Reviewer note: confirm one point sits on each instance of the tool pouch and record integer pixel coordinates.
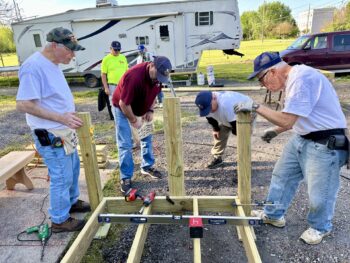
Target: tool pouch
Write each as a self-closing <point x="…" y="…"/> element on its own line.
<point x="43" y="137"/>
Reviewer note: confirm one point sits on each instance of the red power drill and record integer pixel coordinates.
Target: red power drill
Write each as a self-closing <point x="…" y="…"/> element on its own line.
<point x="147" y="200"/>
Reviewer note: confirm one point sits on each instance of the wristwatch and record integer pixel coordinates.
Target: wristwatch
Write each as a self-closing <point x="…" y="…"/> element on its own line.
<point x="255" y="106"/>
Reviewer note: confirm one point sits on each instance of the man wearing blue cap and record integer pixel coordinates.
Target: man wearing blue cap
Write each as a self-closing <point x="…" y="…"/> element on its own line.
<point x="217" y="107"/>
<point x="134" y="101"/>
<point x="315" y="153"/>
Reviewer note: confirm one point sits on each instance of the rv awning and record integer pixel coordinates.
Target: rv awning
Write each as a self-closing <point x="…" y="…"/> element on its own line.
<point x="127" y="17"/>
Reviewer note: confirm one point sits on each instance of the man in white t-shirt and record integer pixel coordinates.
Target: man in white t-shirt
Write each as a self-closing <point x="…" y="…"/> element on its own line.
<point x="217" y="107"/>
<point x="45" y="97"/>
<point x="314" y="154"/>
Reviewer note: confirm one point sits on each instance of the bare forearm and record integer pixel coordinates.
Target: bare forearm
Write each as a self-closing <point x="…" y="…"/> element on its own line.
<point x="283" y="120"/>
<point x="34" y="109"/>
<point x="127" y="110"/>
<point x="104" y="81"/>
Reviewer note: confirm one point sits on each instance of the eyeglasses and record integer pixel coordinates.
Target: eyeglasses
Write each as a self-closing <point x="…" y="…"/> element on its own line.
<point x="261" y="79"/>
<point x="67" y="49"/>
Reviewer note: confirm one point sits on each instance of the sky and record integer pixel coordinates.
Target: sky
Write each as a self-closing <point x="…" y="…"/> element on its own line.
<point x="30" y="8"/>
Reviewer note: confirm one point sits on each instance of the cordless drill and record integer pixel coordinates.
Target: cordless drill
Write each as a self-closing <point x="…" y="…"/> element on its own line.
<point x="147" y="200"/>
<point x="43" y="235"/>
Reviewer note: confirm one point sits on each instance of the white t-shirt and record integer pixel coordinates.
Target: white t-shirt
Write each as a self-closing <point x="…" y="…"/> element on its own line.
<point x="311" y="96"/>
<point x="226" y="101"/>
<point x="43" y="81"/>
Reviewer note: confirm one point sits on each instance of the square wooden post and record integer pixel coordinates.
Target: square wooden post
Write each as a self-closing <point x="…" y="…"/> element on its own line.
<point x="88" y="153"/>
<point x="173" y="143"/>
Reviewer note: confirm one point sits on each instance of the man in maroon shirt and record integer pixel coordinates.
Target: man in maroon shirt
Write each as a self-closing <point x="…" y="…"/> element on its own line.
<point x="134" y="100"/>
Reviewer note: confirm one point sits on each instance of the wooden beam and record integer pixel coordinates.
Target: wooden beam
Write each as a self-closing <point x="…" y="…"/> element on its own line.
<point x="247" y="236"/>
<point x="88" y="153"/>
<point x="244" y="159"/>
<point x="139" y="240"/>
<point x="196" y="241"/>
<point x="12" y="169"/>
<point x="173" y="143"/>
<point x="118" y="205"/>
<point x="81" y="244"/>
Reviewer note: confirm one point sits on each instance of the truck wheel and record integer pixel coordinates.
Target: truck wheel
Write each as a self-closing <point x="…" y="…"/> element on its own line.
<point x="91" y="81"/>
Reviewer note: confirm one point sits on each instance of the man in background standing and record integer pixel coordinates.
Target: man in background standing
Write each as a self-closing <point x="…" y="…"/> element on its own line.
<point x="113" y="67"/>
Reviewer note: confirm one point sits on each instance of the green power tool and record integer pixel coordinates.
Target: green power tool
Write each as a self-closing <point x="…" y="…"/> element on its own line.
<point x="43" y="235"/>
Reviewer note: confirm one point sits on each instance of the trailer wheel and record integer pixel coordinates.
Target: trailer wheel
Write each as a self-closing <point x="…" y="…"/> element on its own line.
<point x="91" y="81"/>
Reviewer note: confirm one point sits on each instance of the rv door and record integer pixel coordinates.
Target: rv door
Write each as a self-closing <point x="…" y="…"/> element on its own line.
<point x="165" y="42"/>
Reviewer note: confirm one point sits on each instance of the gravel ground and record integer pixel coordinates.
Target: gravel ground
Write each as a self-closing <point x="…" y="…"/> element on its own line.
<point x="171" y="243"/>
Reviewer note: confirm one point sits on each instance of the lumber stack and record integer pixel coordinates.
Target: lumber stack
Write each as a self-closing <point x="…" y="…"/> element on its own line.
<point x="101" y="151"/>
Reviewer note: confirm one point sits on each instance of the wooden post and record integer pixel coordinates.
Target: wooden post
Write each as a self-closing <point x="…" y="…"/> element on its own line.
<point x="88" y="153"/>
<point x="244" y="159"/>
<point x="173" y="142"/>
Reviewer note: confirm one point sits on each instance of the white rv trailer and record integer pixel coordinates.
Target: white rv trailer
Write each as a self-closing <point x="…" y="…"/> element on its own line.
<point x="179" y="30"/>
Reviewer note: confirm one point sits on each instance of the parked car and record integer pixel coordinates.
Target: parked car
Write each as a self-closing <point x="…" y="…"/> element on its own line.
<point x="328" y="51"/>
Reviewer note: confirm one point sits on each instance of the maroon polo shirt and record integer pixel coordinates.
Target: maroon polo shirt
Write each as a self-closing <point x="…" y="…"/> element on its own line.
<point x="137" y="89"/>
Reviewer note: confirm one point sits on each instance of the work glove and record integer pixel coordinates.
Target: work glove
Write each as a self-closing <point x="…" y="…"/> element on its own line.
<point x="269" y="134"/>
<point x="247" y="106"/>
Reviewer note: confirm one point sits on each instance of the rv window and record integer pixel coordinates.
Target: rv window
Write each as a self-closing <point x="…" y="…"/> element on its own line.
<point x="204" y="18"/>
<point x="164" y="33"/>
<point x="341" y="42"/>
<point x="142" y="40"/>
<point x="37" y="40"/>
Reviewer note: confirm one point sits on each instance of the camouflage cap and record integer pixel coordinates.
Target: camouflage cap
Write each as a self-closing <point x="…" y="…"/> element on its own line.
<point x="64" y="36"/>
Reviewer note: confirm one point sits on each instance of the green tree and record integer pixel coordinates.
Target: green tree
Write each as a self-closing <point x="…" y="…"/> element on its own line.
<point x="341" y="20"/>
<point x="263" y="23"/>
<point x="7" y="44"/>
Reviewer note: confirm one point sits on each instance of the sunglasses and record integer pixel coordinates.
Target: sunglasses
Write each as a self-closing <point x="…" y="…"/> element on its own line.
<point x="261" y="79"/>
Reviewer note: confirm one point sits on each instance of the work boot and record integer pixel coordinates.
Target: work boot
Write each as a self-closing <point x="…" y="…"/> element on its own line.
<point x="125" y="185"/>
<point x="80" y="207"/>
<point x="312" y="236"/>
<point x="151" y="172"/>
<point x="275" y="222"/>
<point x="215" y="163"/>
<point x="70" y="225"/>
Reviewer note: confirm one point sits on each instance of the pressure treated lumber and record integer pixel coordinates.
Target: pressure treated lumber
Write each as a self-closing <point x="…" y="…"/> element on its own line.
<point x="173" y="143"/>
<point x="88" y="153"/>
<point x="244" y="159"/>
<point x="12" y="169"/>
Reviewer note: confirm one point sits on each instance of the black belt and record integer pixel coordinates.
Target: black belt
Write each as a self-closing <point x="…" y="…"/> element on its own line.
<point x="112" y="83"/>
<point x="322" y="135"/>
<point x="326" y="137"/>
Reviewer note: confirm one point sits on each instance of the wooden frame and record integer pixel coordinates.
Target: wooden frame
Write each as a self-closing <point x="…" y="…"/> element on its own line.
<point x="196" y="204"/>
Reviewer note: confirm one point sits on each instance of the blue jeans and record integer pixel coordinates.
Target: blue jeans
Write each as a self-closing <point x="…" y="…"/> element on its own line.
<point x="64" y="173"/>
<point x="124" y="141"/>
<point x="320" y="168"/>
<point x="160" y="97"/>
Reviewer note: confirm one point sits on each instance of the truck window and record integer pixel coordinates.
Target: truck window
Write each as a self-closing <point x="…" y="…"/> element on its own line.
<point x="204" y="18"/>
<point x="37" y="40"/>
<point x="142" y="40"/>
<point x="319" y="42"/>
<point x="164" y="33"/>
<point x="341" y="43"/>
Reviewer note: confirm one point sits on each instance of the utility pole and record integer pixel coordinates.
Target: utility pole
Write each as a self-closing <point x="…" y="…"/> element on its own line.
<point x="263" y="23"/>
<point x="307" y="21"/>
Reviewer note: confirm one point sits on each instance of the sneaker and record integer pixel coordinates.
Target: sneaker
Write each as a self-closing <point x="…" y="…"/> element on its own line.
<point x="80" y="207"/>
<point x="152" y="172"/>
<point x="125" y="185"/>
<point x="70" y="225"/>
<point x="313" y="237"/>
<point x="275" y="222"/>
<point x="215" y="163"/>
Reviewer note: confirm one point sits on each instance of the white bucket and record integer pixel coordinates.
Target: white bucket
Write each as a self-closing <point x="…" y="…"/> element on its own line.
<point x="210" y="75"/>
<point x="200" y="79"/>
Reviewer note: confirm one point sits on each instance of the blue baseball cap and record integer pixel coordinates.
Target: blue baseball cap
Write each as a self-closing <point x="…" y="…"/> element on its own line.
<point x="163" y="67"/>
<point x="264" y="61"/>
<point x="203" y="102"/>
<point x="116" y="45"/>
